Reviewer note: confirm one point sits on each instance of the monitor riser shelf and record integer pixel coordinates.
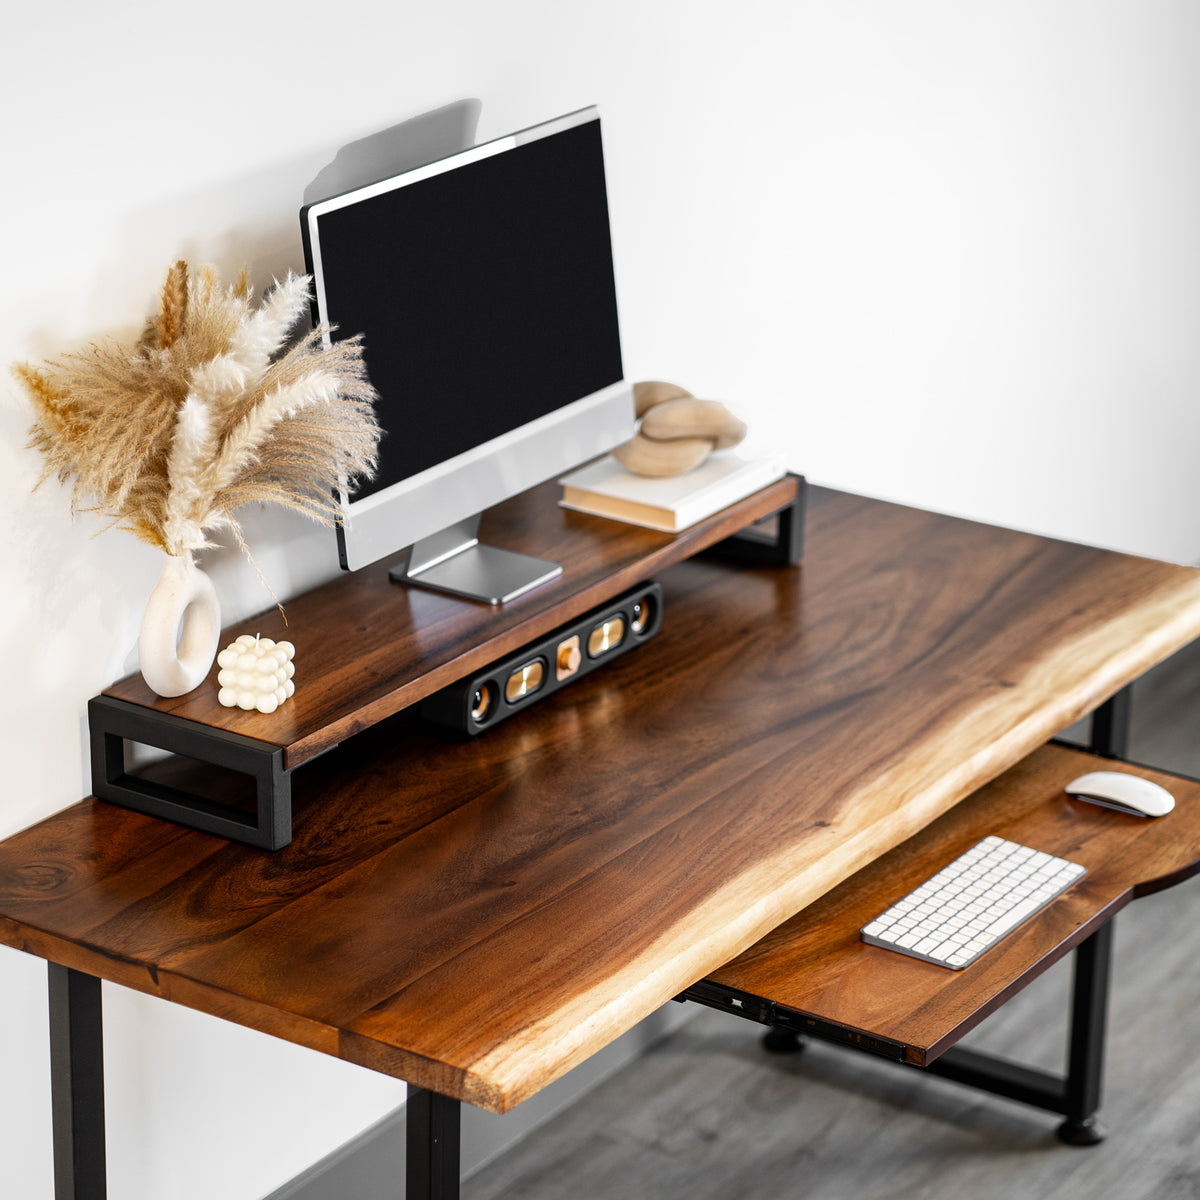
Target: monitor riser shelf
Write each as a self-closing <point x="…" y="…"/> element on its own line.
<point x="369" y="648"/>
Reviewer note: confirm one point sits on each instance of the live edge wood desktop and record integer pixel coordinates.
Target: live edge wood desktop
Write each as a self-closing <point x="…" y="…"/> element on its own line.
<point x="477" y="918"/>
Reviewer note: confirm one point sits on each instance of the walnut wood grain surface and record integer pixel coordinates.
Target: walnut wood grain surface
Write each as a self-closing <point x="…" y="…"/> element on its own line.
<point x="477" y="918"/>
<point x="816" y="966"/>
<point x="366" y="647"/>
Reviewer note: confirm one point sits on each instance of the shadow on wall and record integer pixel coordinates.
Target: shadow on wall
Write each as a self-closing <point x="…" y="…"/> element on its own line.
<point x="402" y="147"/>
<point x="254" y="218"/>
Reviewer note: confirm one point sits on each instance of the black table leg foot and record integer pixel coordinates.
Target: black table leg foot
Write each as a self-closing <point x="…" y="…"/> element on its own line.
<point x="1088" y="1132"/>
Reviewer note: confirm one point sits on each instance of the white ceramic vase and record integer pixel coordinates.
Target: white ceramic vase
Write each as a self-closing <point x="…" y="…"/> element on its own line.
<point x="180" y="628"/>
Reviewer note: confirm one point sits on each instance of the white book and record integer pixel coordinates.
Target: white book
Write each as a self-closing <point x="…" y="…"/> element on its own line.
<point x="671" y="503"/>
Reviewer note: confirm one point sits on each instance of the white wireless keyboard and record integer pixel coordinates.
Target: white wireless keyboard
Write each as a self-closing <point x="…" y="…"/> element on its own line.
<point x="971" y="904"/>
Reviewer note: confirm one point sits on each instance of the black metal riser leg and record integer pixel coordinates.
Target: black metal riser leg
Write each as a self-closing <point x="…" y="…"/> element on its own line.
<point x="433" y="1134"/>
<point x="77" y="1084"/>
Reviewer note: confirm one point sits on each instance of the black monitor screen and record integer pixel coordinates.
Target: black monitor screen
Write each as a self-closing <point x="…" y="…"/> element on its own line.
<point x="485" y="295"/>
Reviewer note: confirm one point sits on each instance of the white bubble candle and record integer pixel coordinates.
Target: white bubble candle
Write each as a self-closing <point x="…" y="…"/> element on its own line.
<point x="256" y="673"/>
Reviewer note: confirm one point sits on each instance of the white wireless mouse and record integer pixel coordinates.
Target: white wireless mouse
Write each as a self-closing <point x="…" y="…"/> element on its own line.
<point x="1126" y="793"/>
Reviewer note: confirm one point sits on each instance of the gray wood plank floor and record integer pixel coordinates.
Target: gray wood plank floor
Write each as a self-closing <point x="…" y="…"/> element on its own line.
<point x="709" y="1115"/>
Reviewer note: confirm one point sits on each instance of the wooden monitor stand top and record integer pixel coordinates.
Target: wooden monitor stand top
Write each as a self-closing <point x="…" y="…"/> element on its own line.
<point x="367" y="648"/>
<point x="478" y="918"/>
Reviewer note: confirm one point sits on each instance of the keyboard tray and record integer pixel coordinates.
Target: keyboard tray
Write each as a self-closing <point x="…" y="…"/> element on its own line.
<point x="814" y="974"/>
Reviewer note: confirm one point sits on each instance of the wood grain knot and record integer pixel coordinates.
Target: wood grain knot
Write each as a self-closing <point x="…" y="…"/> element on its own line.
<point x="43" y="877"/>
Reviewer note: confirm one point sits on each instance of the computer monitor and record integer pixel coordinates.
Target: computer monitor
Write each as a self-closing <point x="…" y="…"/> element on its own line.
<point x="483" y="287"/>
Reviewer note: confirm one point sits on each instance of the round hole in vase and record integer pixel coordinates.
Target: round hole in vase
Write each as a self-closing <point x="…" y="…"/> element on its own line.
<point x="180" y="628"/>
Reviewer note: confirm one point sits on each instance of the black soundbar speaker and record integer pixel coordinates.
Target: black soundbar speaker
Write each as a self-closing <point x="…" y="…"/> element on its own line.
<point x="468" y="707"/>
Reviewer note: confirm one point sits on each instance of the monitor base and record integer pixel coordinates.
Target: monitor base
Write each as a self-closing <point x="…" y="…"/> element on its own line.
<point x="455" y="561"/>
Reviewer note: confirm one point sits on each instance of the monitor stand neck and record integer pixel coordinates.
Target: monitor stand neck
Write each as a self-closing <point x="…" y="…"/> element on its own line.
<point x="455" y="561"/>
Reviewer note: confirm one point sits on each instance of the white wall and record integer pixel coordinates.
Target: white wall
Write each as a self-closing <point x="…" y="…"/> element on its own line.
<point x="939" y="251"/>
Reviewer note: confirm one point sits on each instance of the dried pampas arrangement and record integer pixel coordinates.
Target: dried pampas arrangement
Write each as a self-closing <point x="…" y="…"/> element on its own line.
<point x="169" y="436"/>
<point x="205" y="413"/>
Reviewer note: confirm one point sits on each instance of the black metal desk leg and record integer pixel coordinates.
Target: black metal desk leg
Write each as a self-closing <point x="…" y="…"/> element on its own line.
<point x="1085" y="1056"/>
<point x="1110" y="725"/>
<point x="77" y="1085"/>
<point x="433" y="1145"/>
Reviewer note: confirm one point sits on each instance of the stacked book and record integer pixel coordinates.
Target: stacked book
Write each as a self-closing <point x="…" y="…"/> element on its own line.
<point x="605" y="488"/>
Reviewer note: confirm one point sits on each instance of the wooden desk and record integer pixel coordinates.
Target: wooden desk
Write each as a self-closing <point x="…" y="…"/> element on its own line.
<point x="478" y="918"/>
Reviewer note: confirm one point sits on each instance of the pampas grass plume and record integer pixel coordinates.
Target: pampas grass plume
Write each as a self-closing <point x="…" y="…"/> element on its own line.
<point x="209" y="410"/>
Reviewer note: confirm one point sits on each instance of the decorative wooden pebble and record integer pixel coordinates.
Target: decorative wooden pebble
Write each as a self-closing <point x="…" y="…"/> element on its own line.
<point x="256" y="673"/>
<point x="677" y="432"/>
<point x="651" y="392"/>
<point x="692" y="418"/>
